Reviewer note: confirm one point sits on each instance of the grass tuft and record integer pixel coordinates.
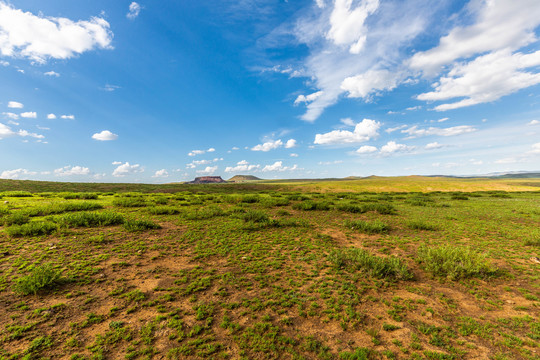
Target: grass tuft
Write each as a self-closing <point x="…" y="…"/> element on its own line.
<point x="421" y="225"/>
<point x="36" y="228"/>
<point x="373" y="227"/>
<point x="140" y="225"/>
<point x="361" y="260"/>
<point x="312" y="205"/>
<point x="129" y="202"/>
<point x="454" y="262"/>
<point x="42" y="277"/>
<point x="91" y="219"/>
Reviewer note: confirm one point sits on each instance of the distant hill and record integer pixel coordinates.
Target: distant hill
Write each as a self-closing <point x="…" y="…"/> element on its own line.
<point x="207" y="180"/>
<point x="243" y="178"/>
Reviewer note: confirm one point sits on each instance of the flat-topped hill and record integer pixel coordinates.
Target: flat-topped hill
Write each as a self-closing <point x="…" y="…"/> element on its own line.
<point x="243" y="178"/>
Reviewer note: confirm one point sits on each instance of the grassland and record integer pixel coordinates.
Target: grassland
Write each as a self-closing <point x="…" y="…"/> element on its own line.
<point x="314" y="270"/>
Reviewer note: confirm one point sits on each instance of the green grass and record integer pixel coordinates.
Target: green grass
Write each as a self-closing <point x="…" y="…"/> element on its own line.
<point x="421" y="225"/>
<point x="35" y="228"/>
<point x="80" y="196"/>
<point x="361" y="260"/>
<point x="129" y="202"/>
<point x="140" y="225"/>
<point x="312" y="205"/>
<point x="368" y="227"/>
<point x="16" y="218"/>
<point x="43" y="277"/>
<point x="454" y="262"/>
<point x="91" y="219"/>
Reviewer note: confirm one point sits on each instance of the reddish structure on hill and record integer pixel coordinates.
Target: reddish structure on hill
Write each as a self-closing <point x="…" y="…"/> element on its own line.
<point x="207" y="180"/>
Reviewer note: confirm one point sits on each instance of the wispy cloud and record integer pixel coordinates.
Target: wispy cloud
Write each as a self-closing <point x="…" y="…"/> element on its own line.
<point x="134" y="10"/>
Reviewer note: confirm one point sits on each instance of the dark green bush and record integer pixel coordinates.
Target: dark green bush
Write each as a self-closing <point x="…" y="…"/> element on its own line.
<point x="312" y="205"/>
<point x="140" y="225"/>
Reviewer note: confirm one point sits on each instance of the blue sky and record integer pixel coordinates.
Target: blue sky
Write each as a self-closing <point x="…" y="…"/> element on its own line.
<point x="163" y="91"/>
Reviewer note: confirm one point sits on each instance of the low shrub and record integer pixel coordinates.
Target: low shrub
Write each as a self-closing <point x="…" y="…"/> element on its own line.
<point x="312" y="205"/>
<point x="16" y="218"/>
<point x="128" y="202"/>
<point x="59" y="208"/>
<point x="91" y="219"/>
<point x="255" y="216"/>
<point x="204" y="213"/>
<point x="373" y="227"/>
<point x="32" y="229"/>
<point x="16" y="194"/>
<point x="163" y="210"/>
<point x="140" y="225"/>
<point x="42" y="277"/>
<point x="361" y="260"/>
<point x="454" y="262"/>
<point x="81" y="196"/>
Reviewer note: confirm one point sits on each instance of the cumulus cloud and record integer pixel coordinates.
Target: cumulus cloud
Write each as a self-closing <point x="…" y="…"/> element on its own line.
<point x="72" y="170"/>
<point x="290" y="144"/>
<point x="363" y="85"/>
<point x="52" y="73"/>
<point x="485" y="79"/>
<point x="6" y="131"/>
<point x="10" y="115"/>
<point x="393" y="147"/>
<point x="15" y="105"/>
<point x="134" y="10"/>
<point x="267" y="146"/>
<point x="307" y="98"/>
<point x="163" y="173"/>
<point x="434" y="145"/>
<point x="347" y="23"/>
<point x="499" y="25"/>
<point x="242" y="166"/>
<point x="25" y="133"/>
<point x="38" y="38"/>
<point x="200" y="152"/>
<point x="366" y="149"/>
<point x="278" y="166"/>
<point x="105" y="135"/>
<point x="16" y="174"/>
<point x="127" y="169"/>
<point x="415" y="132"/>
<point x="29" y="115"/>
<point x="209" y="170"/>
<point x="68" y="117"/>
<point x="51" y="116"/>
<point x="363" y="131"/>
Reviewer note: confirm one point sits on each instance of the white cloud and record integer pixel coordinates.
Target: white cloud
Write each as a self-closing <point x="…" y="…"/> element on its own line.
<point x="535" y="149"/>
<point x="330" y="162"/>
<point x="358" y="40"/>
<point x="415" y="132"/>
<point x="25" y="133"/>
<point x="5" y="131"/>
<point x="127" y="169"/>
<point x="134" y="10"/>
<point x="51" y="116"/>
<point x="307" y="99"/>
<point x="363" y="85"/>
<point x="393" y="147"/>
<point x="242" y="166"/>
<point x="52" y="73"/>
<point x="200" y="152"/>
<point x="196" y="163"/>
<point x="434" y="145"/>
<point x="29" y="115"/>
<point x="290" y="144"/>
<point x="10" y="115"/>
<point x="11" y="122"/>
<point x="163" y="173"/>
<point x="72" y="170"/>
<point x="209" y="170"/>
<point x="363" y="131"/>
<point x="278" y="166"/>
<point x="38" y="38"/>
<point x="347" y="122"/>
<point x="347" y="25"/>
<point x="116" y="162"/>
<point x="485" y="79"/>
<point x="4" y="63"/>
<point x="267" y="146"/>
<point x="68" y="117"/>
<point x="499" y="25"/>
<point x="443" y="120"/>
<point x="16" y="174"/>
<point x="110" y="88"/>
<point x="391" y="130"/>
<point x="42" y="127"/>
<point x="366" y="149"/>
<point x="293" y="155"/>
<point x="533" y="122"/>
<point x="15" y="105"/>
<point x="105" y="135"/>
